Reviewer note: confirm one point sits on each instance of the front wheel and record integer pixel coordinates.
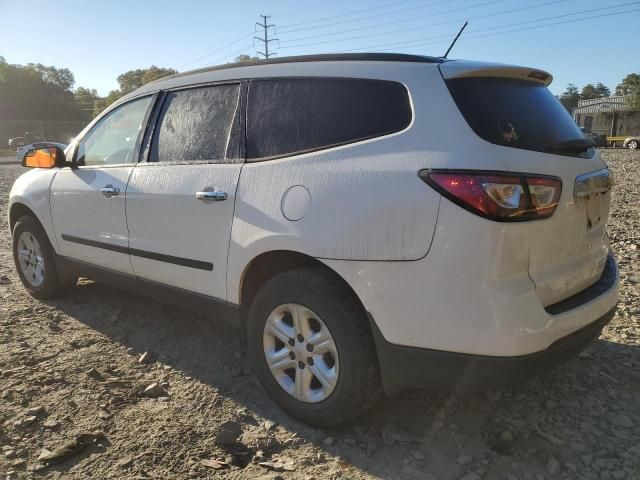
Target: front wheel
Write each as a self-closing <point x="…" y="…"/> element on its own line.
<point x="632" y="145"/>
<point x="35" y="260"/>
<point x="312" y="349"/>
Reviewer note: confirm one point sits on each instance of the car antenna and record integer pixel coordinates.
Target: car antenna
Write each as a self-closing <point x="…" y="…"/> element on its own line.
<point x="455" y="39"/>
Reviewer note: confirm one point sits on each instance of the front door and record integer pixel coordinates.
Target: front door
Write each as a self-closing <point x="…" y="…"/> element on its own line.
<point x="180" y="202"/>
<point x="88" y="202"/>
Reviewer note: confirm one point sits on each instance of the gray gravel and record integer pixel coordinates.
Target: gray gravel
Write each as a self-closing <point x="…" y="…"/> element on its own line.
<point x="71" y="367"/>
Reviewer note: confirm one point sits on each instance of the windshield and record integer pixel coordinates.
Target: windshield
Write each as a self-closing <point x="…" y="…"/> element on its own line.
<point x="517" y="114"/>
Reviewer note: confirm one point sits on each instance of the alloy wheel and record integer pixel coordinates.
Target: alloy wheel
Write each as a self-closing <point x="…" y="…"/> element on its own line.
<point x="301" y="353"/>
<point x="30" y="259"/>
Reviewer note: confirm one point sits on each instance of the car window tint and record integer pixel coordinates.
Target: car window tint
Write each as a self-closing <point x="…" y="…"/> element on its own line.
<point x="285" y="116"/>
<point x="514" y="113"/>
<point x="195" y="124"/>
<point x="112" y="139"/>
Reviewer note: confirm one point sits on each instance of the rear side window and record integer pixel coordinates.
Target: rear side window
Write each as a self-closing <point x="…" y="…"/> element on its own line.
<point x="286" y="116"/>
<point x="196" y="124"/>
<point x="514" y="113"/>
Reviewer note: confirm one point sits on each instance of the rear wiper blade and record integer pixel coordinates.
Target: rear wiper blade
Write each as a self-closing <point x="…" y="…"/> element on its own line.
<point x="577" y="145"/>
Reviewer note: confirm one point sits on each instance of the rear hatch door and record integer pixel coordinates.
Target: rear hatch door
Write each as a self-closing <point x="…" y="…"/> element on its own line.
<point x="531" y="132"/>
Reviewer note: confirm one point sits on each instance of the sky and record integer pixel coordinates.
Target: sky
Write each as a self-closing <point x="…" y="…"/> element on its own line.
<point x="577" y="41"/>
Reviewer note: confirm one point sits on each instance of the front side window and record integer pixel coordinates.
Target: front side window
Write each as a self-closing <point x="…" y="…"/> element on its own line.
<point x="287" y="116"/>
<point x="196" y="125"/>
<point x="111" y="141"/>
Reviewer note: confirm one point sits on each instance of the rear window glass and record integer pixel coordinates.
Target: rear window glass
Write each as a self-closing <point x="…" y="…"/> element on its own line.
<point x="514" y="113"/>
<point x="286" y="116"/>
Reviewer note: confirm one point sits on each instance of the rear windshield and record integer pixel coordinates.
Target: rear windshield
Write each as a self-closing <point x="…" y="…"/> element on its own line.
<point x="515" y="113"/>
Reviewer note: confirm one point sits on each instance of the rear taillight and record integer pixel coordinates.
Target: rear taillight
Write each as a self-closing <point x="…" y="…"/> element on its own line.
<point x="497" y="196"/>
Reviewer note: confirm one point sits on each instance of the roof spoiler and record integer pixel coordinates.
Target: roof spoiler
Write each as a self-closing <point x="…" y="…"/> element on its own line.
<point x="465" y="69"/>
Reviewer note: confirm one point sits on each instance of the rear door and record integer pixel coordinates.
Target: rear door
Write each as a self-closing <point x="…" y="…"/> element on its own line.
<point x="180" y="202"/>
<point x="88" y="202"/>
<point x="533" y="133"/>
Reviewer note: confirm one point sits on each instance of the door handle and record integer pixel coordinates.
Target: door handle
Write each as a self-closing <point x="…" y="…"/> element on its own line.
<point x="110" y="191"/>
<point x="215" y="196"/>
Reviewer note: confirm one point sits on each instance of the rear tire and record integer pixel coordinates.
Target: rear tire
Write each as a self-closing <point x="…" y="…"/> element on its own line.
<point x="36" y="261"/>
<point x="355" y="385"/>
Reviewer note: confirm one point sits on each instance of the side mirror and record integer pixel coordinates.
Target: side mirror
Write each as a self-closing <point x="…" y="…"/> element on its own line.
<point x="44" y="157"/>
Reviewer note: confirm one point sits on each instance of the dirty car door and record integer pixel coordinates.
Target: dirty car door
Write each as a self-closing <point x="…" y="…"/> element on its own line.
<point x="180" y="202"/>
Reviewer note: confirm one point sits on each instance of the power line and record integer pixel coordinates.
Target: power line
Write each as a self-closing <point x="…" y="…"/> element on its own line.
<point x="230" y="44"/>
<point x="418" y="43"/>
<point x="265" y="40"/>
<point x="420" y="27"/>
<point x="373" y="16"/>
<point x="354" y="12"/>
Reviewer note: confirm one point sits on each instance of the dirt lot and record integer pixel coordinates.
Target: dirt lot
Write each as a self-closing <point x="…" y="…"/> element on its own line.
<point x="73" y="366"/>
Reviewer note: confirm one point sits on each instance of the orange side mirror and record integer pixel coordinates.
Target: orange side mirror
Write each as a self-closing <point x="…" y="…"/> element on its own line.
<point x="46" y="157"/>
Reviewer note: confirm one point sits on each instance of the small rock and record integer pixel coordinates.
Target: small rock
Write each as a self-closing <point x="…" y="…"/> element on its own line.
<point x="4" y="280"/>
<point x="51" y="424"/>
<point x="553" y="466"/>
<point x="268" y="425"/>
<point x="116" y="400"/>
<point x="35" y="411"/>
<point x="9" y="454"/>
<point x="215" y="464"/>
<point x="29" y="420"/>
<point x="154" y="391"/>
<point x="95" y="374"/>
<point x="328" y="441"/>
<point x="280" y="465"/>
<point x="228" y="434"/>
<point x="464" y="459"/>
<point x="19" y="463"/>
<point x="44" y="453"/>
<point x="145" y="358"/>
<point x="125" y="463"/>
<point x="417" y="455"/>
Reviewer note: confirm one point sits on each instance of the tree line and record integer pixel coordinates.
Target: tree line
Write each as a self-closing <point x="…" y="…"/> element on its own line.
<point x="630" y="85"/>
<point x="40" y="92"/>
<point x="46" y="93"/>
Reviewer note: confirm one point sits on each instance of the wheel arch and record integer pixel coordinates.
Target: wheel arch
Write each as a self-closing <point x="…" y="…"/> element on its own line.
<point x="19" y="209"/>
<point x="269" y="264"/>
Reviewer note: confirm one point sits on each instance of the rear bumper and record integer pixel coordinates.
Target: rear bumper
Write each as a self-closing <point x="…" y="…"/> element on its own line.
<point x="408" y="367"/>
<point x="405" y="367"/>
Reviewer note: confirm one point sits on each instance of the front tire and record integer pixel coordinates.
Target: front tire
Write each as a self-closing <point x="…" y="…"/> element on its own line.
<point x="311" y="347"/>
<point x="35" y="260"/>
<point x="632" y="145"/>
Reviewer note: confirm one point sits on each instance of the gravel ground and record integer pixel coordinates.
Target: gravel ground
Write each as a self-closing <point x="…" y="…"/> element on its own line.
<point x="72" y="390"/>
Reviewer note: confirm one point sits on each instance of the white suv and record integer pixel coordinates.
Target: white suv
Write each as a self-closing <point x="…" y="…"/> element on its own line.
<point x="371" y="222"/>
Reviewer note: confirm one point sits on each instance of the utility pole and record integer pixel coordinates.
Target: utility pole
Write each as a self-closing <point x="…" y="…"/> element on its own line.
<point x="266" y="40"/>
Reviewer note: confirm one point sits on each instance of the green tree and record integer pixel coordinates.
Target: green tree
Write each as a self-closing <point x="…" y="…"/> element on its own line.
<point x="86" y="99"/>
<point x="61" y="77"/>
<point x="131" y="80"/>
<point x="37" y="92"/>
<point x="590" y="91"/>
<point x="569" y="98"/>
<point x="245" y="58"/>
<point x="630" y="86"/>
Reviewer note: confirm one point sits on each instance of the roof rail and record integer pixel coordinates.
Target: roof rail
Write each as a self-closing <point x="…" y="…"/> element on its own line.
<point x="325" y="57"/>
